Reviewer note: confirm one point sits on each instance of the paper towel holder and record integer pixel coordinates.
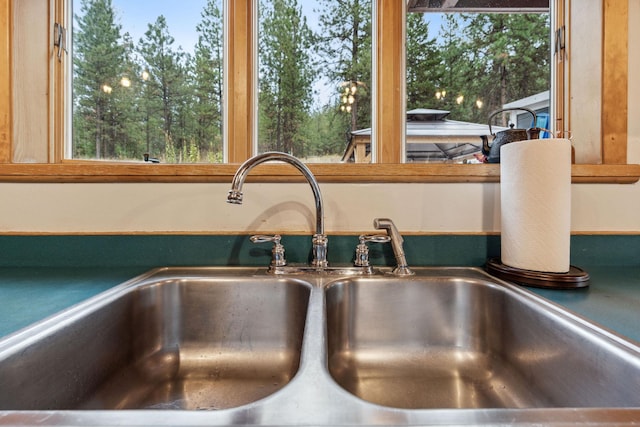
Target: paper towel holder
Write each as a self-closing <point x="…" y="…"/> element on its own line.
<point x="575" y="278"/>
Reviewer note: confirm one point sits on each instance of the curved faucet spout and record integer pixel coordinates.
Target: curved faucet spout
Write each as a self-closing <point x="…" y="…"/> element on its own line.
<point x="235" y="196"/>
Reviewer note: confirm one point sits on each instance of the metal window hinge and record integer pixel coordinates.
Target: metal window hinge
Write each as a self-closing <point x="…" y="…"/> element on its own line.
<point x="560" y="41"/>
<point x="60" y="39"/>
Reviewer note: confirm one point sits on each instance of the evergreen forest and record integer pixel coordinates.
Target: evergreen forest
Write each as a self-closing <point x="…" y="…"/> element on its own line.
<point x="150" y="96"/>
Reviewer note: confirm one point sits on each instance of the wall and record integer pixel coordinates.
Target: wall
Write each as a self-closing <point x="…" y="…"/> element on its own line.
<point x="350" y="208"/>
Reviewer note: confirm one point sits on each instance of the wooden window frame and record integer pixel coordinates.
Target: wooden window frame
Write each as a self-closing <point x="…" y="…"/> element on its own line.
<point x="388" y="120"/>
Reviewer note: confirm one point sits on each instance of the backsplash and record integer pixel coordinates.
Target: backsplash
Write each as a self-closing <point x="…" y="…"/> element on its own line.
<point x="237" y="250"/>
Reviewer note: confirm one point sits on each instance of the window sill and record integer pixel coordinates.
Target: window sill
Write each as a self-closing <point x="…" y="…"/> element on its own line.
<point x="351" y="173"/>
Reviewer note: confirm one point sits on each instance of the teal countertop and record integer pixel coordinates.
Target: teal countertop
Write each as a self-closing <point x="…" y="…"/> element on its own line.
<point x="611" y="300"/>
<point x="31" y="294"/>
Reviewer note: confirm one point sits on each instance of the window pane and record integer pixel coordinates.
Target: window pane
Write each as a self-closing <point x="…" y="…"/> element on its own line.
<point x="463" y="66"/>
<point x="147" y="80"/>
<point x="314" y="76"/>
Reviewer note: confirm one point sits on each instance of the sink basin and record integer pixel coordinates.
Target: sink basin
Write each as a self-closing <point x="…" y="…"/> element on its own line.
<point x="448" y="346"/>
<point x="166" y="342"/>
<point x="427" y="343"/>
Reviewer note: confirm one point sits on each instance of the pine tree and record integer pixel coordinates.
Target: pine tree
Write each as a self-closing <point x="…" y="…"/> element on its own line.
<point x="422" y="62"/>
<point x="99" y="55"/>
<point x="323" y="132"/>
<point x="509" y="54"/>
<point x="453" y="78"/>
<point x="345" y="44"/>
<point x="495" y="58"/>
<point x="129" y="116"/>
<point x="286" y="76"/>
<point x="208" y="81"/>
<point x="166" y="87"/>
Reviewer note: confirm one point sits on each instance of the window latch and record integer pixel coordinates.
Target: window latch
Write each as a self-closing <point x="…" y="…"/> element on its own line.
<point x="60" y="39"/>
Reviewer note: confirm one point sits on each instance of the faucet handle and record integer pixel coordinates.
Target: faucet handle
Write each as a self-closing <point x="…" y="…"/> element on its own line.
<point x="277" y="253"/>
<point x="362" y="251"/>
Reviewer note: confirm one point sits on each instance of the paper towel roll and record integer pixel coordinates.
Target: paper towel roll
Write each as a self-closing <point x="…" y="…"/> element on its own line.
<point x="535" y="195"/>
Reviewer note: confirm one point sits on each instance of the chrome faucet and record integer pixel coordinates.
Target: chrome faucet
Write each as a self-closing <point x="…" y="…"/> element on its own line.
<point x="401" y="269"/>
<point x="319" y="240"/>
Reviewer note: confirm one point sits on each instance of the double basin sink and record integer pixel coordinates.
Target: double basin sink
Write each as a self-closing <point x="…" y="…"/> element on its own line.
<point x="220" y="346"/>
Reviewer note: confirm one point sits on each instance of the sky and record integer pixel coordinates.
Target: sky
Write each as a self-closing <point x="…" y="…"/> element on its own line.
<point x="182" y="17"/>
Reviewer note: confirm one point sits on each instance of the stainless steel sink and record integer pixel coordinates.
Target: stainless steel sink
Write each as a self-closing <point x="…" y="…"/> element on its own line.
<point x="170" y="342"/>
<point x="225" y="346"/>
<point x="451" y="342"/>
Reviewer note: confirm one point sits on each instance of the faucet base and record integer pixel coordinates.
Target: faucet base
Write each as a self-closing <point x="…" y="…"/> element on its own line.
<point x="402" y="271"/>
<point x="320" y="243"/>
<point x="326" y="271"/>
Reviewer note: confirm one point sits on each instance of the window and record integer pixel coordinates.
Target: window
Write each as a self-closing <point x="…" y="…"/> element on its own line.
<point x="462" y="63"/>
<point x="147" y="81"/>
<point x="314" y="76"/>
<point x="138" y="92"/>
<point x="462" y="66"/>
<point x="27" y="141"/>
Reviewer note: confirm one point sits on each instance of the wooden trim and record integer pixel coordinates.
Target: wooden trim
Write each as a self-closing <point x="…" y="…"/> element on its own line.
<point x="31" y="67"/>
<point x="610" y="174"/>
<point x="239" y="106"/>
<point x="615" y="71"/>
<point x="561" y="73"/>
<point x="58" y="106"/>
<point x="335" y="173"/>
<point x="389" y="129"/>
<point x="239" y="77"/>
<point x="6" y="82"/>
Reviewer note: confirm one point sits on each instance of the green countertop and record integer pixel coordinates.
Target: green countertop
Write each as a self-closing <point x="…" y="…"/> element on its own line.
<point x="611" y="300"/>
<point x="31" y="294"/>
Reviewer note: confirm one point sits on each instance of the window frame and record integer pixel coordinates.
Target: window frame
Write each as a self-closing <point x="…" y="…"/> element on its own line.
<point x="239" y="109"/>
